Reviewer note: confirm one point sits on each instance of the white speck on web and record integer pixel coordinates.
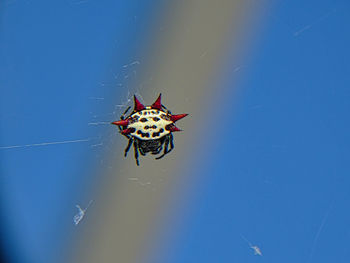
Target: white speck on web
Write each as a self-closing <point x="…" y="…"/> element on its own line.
<point x="120" y="105"/>
<point x="140" y="182"/>
<point x="297" y="33"/>
<point x="81" y="213"/>
<point x="238" y="68"/>
<point x="96" y="98"/>
<point x="79" y="2"/>
<point x="203" y="54"/>
<point x="132" y="64"/>
<point x="318" y="20"/>
<point x="98" y="144"/>
<point x="126" y="102"/>
<point x="133" y="179"/>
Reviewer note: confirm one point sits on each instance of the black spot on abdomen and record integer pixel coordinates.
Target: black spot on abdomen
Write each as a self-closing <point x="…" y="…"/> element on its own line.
<point x="165" y="117"/>
<point x="143" y="134"/>
<point x="161" y="130"/>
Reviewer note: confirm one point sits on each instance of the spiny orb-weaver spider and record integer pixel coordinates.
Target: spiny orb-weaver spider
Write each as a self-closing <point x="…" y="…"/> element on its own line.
<point x="148" y="128"/>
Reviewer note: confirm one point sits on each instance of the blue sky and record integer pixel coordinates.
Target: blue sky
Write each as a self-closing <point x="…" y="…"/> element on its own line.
<point x="280" y="178"/>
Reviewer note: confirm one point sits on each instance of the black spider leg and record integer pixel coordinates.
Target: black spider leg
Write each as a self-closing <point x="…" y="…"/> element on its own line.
<point x="158" y="150"/>
<point x="128" y="147"/>
<point x="166" y="144"/>
<point x="123" y="115"/>
<point x="169" y="139"/>
<point x="136" y="152"/>
<point x="142" y="152"/>
<point x="123" y="118"/>
<point x="168" y="111"/>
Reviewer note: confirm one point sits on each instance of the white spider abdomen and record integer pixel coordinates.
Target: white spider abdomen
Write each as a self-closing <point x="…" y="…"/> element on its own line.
<point x="149" y="124"/>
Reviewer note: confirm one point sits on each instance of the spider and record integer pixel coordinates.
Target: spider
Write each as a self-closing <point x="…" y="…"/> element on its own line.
<point x="149" y="128"/>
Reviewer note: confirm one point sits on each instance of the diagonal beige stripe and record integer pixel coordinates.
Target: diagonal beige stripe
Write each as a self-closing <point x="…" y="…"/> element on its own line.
<point x="124" y="221"/>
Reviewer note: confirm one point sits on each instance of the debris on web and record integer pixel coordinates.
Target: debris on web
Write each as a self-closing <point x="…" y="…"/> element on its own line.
<point x="256" y="249"/>
<point x="81" y="213"/>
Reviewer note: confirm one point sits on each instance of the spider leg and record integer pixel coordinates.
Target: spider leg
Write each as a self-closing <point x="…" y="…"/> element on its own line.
<point x="169" y="139"/>
<point x="120" y="129"/>
<point x="141" y="151"/>
<point x="158" y="150"/>
<point x="128" y="147"/>
<point x="171" y="142"/>
<point x="168" y="111"/>
<point x="123" y="116"/>
<point x="136" y="152"/>
<point x="126" y="135"/>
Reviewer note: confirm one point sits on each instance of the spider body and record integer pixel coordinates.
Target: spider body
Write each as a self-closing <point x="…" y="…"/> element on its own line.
<point x="149" y="128"/>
